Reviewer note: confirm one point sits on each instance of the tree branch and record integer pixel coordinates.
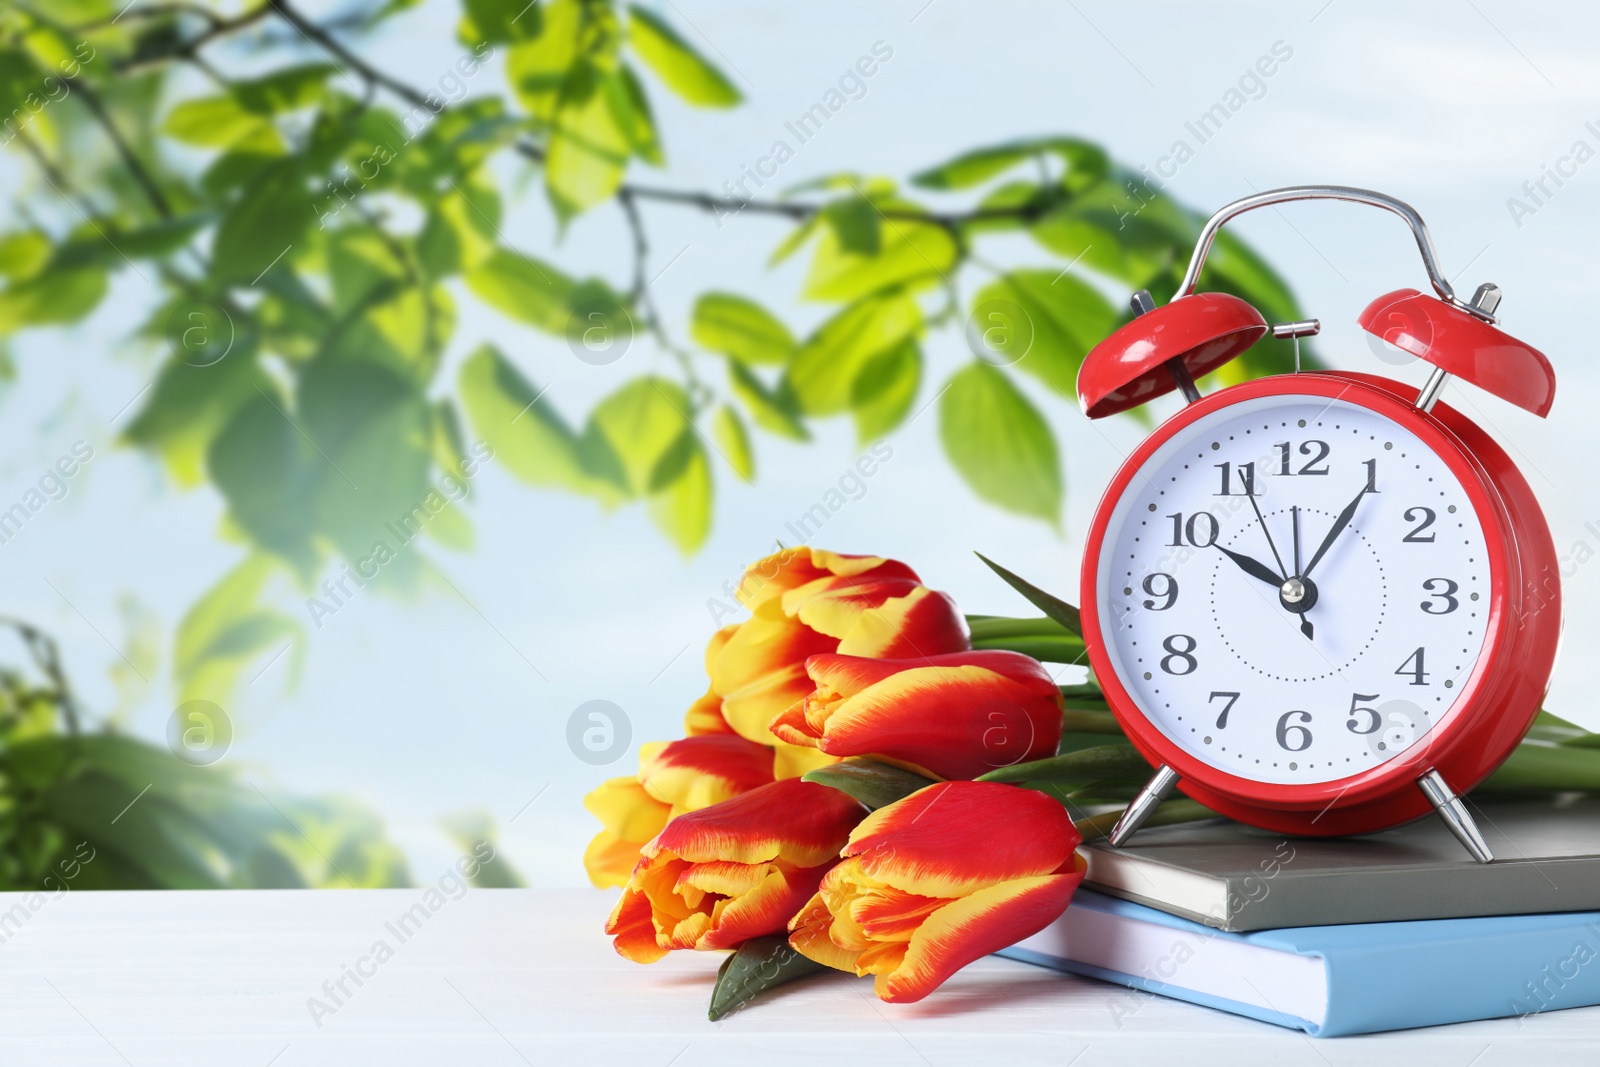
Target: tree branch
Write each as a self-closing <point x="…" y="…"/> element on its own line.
<point x="136" y="167"/>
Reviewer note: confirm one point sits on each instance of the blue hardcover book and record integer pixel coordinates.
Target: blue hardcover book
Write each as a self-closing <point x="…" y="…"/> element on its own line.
<point x="1333" y="980"/>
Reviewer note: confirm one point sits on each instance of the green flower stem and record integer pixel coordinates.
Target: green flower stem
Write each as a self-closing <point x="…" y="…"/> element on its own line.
<point x="1043" y="639"/>
<point x="1173" y="811"/>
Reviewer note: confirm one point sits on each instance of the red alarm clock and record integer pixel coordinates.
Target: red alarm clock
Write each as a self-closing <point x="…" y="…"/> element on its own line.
<point x="1320" y="602"/>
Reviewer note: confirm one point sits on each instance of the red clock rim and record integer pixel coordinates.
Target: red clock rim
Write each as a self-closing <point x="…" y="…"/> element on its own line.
<point x="1366" y="785"/>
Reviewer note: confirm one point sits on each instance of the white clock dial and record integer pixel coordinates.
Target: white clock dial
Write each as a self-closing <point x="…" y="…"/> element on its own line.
<point x="1203" y="589"/>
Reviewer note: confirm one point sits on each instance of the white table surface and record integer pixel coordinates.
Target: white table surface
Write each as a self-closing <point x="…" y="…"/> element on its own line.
<point x="526" y="976"/>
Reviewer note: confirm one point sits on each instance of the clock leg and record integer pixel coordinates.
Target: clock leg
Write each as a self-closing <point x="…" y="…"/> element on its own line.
<point x="1454" y="814"/>
<point x="1144" y="805"/>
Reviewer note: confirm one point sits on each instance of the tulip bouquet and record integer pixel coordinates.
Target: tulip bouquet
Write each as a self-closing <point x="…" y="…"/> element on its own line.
<point x="876" y="784"/>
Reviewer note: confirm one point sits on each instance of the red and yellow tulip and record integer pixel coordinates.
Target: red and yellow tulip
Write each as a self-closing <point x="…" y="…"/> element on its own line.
<point x="957" y="715"/>
<point x="717" y="877"/>
<point x="806" y="602"/>
<point x="674" y="778"/>
<point x="930" y="883"/>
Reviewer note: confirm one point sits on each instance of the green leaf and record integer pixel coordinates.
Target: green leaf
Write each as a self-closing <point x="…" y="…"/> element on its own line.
<point x="23" y="254"/>
<point x="1043" y="323"/>
<point x="227" y="602"/>
<point x="1000" y="444"/>
<point x="161" y="238"/>
<point x="856" y="224"/>
<point x="1104" y="763"/>
<point x="190" y="405"/>
<point x="911" y="253"/>
<point x="1085" y="162"/>
<point x="498" y="21"/>
<point x="824" y="370"/>
<point x="1056" y="609"/>
<point x="760" y="964"/>
<point x="679" y="66"/>
<point x="269" y="475"/>
<point x="775" y="411"/>
<point x="683" y="508"/>
<point x="1538" y="768"/>
<point x="374" y="428"/>
<point x="637" y="119"/>
<point x="219" y="122"/>
<point x="642" y="421"/>
<point x="882" y="394"/>
<point x="590" y="140"/>
<point x="741" y="329"/>
<point x="874" y="784"/>
<point x="459" y="233"/>
<point x="51" y="297"/>
<point x="287" y="89"/>
<point x="795" y="238"/>
<point x="262" y="227"/>
<point x="524" y="289"/>
<point x="728" y="431"/>
<point x="537" y="69"/>
<point x="528" y="437"/>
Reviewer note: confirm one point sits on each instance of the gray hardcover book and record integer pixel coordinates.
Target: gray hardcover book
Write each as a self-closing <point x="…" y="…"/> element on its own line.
<point x="1233" y="877"/>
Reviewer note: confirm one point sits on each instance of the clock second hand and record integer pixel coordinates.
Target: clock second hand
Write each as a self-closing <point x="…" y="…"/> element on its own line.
<point x="1305" y="621"/>
<point x="1250" y="492"/>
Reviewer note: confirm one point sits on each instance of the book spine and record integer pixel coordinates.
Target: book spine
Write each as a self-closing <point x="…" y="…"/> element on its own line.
<point x="1444" y="974"/>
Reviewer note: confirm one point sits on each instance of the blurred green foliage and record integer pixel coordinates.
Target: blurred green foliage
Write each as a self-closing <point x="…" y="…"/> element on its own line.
<point x="95" y="809"/>
<point x="309" y="223"/>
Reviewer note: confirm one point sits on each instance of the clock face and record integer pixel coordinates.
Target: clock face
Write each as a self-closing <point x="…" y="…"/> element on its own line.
<point x="1294" y="589"/>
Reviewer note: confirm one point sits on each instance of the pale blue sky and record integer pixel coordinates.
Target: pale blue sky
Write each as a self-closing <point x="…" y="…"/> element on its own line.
<point x="423" y="709"/>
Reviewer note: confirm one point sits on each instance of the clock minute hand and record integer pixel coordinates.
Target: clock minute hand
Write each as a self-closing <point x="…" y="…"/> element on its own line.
<point x="1338" y="528"/>
<point x="1254" y="568"/>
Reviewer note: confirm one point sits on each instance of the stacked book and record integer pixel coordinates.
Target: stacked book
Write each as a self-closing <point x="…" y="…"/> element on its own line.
<point x="1346" y="935"/>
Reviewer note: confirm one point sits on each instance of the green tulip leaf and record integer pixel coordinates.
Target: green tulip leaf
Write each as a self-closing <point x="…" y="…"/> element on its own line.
<point x="875" y="784"/>
<point x="760" y="964"/>
<point x="1054" y="607"/>
<point x="1103" y="763"/>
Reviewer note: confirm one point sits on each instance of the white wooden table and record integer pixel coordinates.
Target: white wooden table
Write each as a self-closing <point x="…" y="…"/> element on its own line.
<point x="525" y="976"/>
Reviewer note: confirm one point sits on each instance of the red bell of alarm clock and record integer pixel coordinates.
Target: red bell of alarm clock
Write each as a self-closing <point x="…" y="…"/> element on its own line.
<point x="1321" y="602"/>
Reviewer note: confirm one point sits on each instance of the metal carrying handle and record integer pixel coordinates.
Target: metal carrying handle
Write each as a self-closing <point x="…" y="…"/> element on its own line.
<point x="1419" y="229"/>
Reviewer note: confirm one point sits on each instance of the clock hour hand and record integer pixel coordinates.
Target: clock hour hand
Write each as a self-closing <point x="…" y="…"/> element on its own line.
<point x="1339" y="524"/>
<point x="1254" y="568"/>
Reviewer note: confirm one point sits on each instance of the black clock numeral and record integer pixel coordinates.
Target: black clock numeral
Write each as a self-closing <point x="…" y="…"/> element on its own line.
<point x="1201" y="529"/>
<point x="1301" y="734"/>
<point x="1424" y="518"/>
<point x="1169" y="592"/>
<point x="1372" y="475"/>
<point x="1320" y="448"/>
<point x="1222" y="720"/>
<point x="1183" y="655"/>
<point x="1417" y="673"/>
<point x="1247" y="478"/>
<point x="1356" y="708"/>
<point x="1446" y="594"/>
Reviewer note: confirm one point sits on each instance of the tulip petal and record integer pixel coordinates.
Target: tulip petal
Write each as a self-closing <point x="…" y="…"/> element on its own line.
<point x="763" y="910"/>
<point x="974" y="926"/>
<point x="793" y="567"/>
<point x="705" y="716"/>
<point x="808" y="935"/>
<point x="626" y="810"/>
<point x="697" y="772"/>
<point x="959" y="851"/>
<point x="956" y="721"/>
<point x="792" y="761"/>
<point x="921" y="623"/>
<point x="800" y="822"/>
<point x="633" y="928"/>
<point x="610" y="859"/>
